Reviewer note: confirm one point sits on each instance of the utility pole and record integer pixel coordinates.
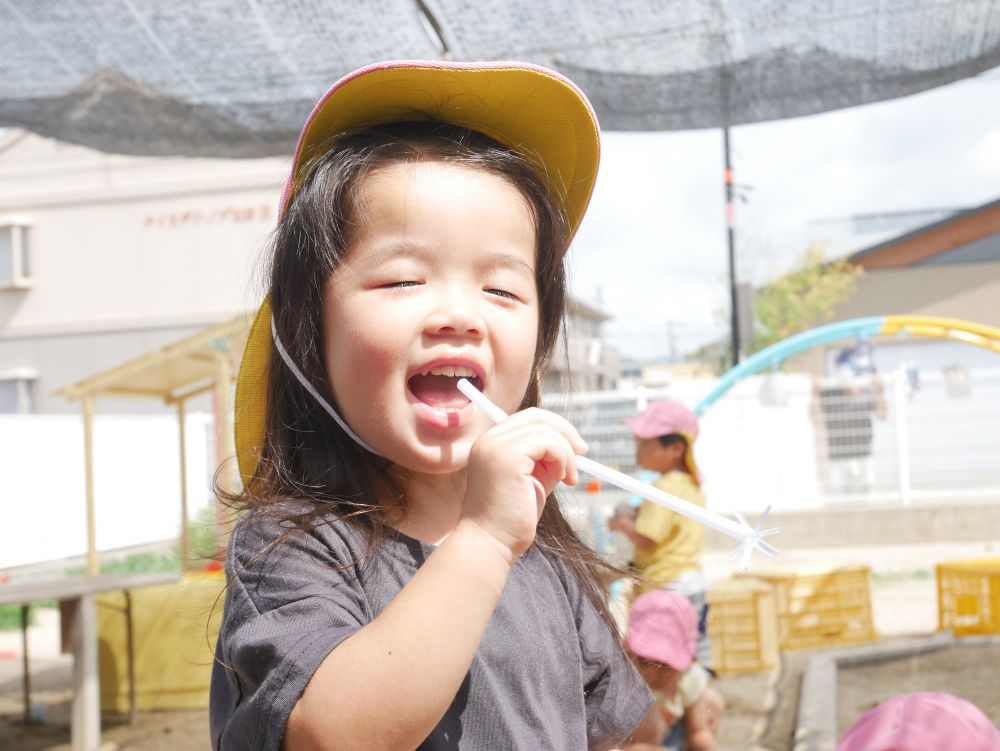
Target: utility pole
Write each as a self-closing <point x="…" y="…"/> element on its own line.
<point x="734" y="315"/>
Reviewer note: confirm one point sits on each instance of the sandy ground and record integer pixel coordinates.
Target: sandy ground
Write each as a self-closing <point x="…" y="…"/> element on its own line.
<point x="761" y="708"/>
<point x="969" y="672"/>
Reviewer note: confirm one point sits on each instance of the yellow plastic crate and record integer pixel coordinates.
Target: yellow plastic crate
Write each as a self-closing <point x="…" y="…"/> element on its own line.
<point x="969" y="596"/>
<point x="821" y="605"/>
<point x="174" y="640"/>
<point x="741" y="626"/>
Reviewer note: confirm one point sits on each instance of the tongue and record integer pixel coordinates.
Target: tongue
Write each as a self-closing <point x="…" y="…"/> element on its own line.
<point x="440" y="392"/>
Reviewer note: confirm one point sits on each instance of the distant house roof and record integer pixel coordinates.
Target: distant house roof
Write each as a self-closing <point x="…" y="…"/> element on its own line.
<point x="965" y="236"/>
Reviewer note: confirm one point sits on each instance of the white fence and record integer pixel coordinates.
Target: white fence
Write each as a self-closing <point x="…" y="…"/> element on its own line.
<point x="136" y="482"/>
<point x="764" y="443"/>
<point x="773" y="440"/>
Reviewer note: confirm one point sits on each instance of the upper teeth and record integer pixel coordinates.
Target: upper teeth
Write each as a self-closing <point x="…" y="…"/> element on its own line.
<point x="452" y="371"/>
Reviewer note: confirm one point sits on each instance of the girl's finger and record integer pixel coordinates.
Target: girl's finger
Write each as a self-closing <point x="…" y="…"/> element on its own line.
<point x="541" y="442"/>
<point x="536" y="415"/>
<point x="554" y="474"/>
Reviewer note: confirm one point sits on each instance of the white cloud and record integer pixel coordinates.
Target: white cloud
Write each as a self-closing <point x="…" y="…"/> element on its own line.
<point x="984" y="156"/>
<point x="654" y="240"/>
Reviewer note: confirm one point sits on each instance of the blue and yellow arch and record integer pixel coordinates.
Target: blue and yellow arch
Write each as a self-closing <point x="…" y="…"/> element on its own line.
<point x="771" y="357"/>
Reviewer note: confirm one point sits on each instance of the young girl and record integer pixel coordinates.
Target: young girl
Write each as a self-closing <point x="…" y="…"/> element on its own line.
<point x="402" y="577"/>
<point x="661" y="638"/>
<point x="668" y="546"/>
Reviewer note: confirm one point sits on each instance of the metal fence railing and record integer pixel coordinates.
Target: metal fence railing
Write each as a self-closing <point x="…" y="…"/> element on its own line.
<point x="795" y="443"/>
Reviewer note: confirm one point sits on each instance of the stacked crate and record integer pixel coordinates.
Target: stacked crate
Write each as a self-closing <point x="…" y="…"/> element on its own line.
<point x="969" y="596"/>
<point x="821" y="605"/>
<point x="752" y="617"/>
<point x="742" y="627"/>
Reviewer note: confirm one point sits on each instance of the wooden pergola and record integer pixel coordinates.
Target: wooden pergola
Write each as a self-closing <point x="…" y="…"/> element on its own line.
<point x="200" y="363"/>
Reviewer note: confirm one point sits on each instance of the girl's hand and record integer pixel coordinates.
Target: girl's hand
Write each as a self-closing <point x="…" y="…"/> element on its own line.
<point x="513" y="467"/>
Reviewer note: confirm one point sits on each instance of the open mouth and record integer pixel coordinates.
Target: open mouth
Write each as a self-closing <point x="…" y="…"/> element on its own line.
<point x="435" y="390"/>
<point x="437" y="387"/>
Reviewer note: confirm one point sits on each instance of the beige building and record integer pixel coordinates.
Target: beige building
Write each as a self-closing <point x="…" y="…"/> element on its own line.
<point x="582" y="360"/>
<point x="104" y="257"/>
<point x="948" y="268"/>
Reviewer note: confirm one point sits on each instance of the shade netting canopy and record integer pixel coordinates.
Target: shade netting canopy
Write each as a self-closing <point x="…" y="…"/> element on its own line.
<point x="238" y="77"/>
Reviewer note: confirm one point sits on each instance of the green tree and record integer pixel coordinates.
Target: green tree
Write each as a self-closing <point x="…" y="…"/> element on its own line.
<point x="717" y="355"/>
<point x="803" y="297"/>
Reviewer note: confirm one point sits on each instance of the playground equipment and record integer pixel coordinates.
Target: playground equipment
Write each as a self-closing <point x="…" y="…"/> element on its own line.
<point x="771" y="357"/>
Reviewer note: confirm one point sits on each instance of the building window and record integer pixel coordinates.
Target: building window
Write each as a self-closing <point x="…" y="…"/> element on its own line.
<point x="17" y="392"/>
<point x="15" y="255"/>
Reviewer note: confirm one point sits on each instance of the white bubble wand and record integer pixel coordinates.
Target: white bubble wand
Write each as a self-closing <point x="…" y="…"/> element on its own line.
<point x="749" y="537"/>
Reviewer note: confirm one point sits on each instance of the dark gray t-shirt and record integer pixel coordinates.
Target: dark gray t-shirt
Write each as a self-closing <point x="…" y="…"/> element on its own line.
<point x="547" y="674"/>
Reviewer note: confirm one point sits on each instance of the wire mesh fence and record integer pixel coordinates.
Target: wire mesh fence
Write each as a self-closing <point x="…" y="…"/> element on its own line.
<point x="796" y="443"/>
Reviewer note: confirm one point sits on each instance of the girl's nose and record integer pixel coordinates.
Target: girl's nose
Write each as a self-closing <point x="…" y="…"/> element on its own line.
<point x="456" y="317"/>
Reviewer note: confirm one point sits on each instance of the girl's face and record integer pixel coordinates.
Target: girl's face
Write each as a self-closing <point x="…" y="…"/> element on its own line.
<point x="438" y="283"/>
<point x="658" y="676"/>
<point x="651" y="454"/>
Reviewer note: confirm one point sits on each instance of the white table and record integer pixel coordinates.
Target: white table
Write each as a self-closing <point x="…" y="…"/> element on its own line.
<point x="81" y="591"/>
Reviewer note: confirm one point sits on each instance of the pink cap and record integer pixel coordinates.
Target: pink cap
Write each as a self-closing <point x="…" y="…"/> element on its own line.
<point x="663" y="627"/>
<point x="664" y="418"/>
<point x="922" y="721"/>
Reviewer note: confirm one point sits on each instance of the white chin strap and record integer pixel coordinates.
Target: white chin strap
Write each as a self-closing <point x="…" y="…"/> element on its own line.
<point x="315" y="394"/>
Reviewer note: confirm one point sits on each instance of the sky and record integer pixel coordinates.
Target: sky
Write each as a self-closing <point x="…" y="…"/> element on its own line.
<point x="652" y="248"/>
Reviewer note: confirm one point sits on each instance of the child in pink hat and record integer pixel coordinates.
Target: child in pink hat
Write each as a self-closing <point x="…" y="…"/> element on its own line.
<point x="920" y="722"/>
<point x="661" y="637"/>
<point x="667" y="553"/>
<point x="668" y="545"/>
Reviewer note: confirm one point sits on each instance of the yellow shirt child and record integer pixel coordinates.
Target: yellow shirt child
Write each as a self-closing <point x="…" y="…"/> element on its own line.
<point x="678" y="539"/>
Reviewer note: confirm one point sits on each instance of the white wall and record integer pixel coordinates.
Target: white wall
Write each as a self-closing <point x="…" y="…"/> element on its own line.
<point x="136" y="482"/>
<point x="753" y="456"/>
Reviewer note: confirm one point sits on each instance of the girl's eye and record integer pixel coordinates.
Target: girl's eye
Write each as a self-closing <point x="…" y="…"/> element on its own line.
<point x="401" y="285"/>
<point x="503" y="293"/>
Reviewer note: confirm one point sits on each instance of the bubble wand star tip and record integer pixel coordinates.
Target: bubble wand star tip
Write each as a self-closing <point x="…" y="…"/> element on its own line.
<point x="750" y="537"/>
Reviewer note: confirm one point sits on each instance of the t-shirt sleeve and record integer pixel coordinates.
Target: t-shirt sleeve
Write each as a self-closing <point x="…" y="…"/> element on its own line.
<point x="655" y="522"/>
<point x="289" y="603"/>
<point x="659" y="523"/>
<point x="692" y="684"/>
<point x="615" y="696"/>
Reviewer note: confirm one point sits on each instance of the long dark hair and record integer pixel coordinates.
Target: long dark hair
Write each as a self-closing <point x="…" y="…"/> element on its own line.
<point x="310" y="471"/>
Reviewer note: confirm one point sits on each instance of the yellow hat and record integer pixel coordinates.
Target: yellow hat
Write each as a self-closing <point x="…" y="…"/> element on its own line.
<point x="532" y="110"/>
